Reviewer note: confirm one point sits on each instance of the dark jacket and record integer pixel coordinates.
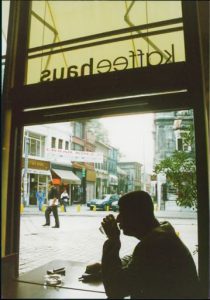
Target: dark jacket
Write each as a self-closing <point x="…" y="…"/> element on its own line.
<point x="53" y="193"/>
<point x="161" y="267"/>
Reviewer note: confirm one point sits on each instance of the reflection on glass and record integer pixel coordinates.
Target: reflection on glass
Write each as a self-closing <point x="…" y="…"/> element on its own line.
<point x="80" y="37"/>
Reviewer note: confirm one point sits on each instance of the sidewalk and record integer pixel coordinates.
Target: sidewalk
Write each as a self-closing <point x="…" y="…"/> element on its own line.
<point x="83" y="210"/>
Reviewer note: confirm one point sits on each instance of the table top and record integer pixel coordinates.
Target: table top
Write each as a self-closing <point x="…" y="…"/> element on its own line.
<point x="74" y="270"/>
<point x="25" y="290"/>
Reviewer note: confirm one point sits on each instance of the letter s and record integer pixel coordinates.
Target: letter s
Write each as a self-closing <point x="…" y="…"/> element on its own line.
<point x="45" y="75"/>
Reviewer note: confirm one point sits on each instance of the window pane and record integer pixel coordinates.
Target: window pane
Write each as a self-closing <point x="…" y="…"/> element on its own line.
<point x="60" y="144"/>
<point x="72" y="24"/>
<point x="138" y="159"/>
<point x="53" y="142"/>
<point x="66" y="145"/>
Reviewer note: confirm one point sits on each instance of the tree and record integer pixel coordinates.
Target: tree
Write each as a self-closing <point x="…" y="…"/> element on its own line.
<point x="180" y="170"/>
<point x="99" y="130"/>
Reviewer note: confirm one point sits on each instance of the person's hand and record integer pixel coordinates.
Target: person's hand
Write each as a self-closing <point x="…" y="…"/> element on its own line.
<point x="110" y="227"/>
<point x="91" y="277"/>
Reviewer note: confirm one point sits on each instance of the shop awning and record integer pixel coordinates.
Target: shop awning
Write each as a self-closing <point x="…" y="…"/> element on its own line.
<point x="67" y="176"/>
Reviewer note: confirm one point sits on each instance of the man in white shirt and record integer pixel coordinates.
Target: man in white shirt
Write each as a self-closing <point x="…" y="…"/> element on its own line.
<point x="64" y="199"/>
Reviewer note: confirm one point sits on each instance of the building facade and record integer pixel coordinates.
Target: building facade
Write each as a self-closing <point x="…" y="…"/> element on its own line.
<point x="167" y="139"/>
<point x="133" y="170"/>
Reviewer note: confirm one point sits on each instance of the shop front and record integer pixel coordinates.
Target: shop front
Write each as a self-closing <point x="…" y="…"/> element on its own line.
<point x="36" y="178"/>
<point x="64" y="177"/>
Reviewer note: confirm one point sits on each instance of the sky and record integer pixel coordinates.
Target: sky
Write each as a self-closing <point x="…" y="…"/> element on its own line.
<point x="132" y="135"/>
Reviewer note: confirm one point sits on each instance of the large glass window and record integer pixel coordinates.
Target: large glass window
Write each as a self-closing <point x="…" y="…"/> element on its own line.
<point x="77" y="38"/>
<point x="169" y="178"/>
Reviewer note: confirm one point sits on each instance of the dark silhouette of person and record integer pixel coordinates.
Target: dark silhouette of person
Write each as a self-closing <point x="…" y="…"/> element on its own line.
<point x="53" y="206"/>
<point x="161" y="266"/>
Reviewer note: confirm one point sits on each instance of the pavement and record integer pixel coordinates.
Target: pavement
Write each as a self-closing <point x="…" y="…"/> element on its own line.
<point x="83" y="210"/>
<point x="79" y="238"/>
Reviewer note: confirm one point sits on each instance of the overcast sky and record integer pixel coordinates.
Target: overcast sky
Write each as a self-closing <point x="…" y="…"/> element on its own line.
<point x="132" y="135"/>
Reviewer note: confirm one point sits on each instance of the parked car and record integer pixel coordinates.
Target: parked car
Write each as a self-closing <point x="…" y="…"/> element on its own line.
<point x="91" y="203"/>
<point x="105" y="202"/>
<point x="115" y="206"/>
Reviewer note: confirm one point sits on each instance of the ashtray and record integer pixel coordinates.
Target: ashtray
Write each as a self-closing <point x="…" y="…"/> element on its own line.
<point x="53" y="279"/>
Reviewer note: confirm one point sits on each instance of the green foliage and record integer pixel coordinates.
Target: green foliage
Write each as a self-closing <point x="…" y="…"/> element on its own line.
<point x="180" y="170"/>
<point x="99" y="130"/>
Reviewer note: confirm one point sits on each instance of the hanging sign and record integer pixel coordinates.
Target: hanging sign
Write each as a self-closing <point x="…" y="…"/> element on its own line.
<point x="58" y="155"/>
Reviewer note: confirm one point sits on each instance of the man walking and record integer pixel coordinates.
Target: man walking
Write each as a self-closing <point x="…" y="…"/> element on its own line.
<point x="53" y="206"/>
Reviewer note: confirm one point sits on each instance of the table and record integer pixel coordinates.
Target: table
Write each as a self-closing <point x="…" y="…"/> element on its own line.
<point x="32" y="283"/>
<point x="25" y="290"/>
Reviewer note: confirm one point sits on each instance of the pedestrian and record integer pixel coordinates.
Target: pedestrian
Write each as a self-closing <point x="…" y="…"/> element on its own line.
<point x="52" y="206"/>
<point x="64" y="198"/>
<point x="161" y="266"/>
<point x="40" y="198"/>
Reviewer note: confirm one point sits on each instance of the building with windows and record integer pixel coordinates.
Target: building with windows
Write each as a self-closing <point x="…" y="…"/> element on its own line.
<point x="168" y="130"/>
<point x="112" y="161"/>
<point x="102" y="175"/>
<point x="123" y="179"/>
<point x="133" y="170"/>
<point x="46" y="157"/>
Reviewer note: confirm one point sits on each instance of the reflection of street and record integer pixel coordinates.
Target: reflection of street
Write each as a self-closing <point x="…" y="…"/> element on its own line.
<point x="79" y="238"/>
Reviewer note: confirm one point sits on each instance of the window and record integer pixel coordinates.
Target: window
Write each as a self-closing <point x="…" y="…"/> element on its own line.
<point x="53" y="142"/>
<point x="179" y="144"/>
<point x="78" y="130"/>
<point x="34" y="145"/>
<point x="114" y="50"/>
<point x="77" y="147"/>
<point x="154" y="94"/>
<point x="66" y="145"/>
<point x="60" y="144"/>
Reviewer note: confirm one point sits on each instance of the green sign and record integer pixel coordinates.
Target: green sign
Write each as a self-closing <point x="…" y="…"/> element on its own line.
<point x="83" y="172"/>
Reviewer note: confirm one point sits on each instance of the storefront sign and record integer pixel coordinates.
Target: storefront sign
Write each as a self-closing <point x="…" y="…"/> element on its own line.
<point x="136" y="59"/>
<point x="91" y="175"/>
<point x="73" y="155"/>
<point x="37" y="164"/>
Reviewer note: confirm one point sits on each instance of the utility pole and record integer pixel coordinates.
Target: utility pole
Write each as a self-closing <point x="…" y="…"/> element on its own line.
<point x="83" y="185"/>
<point x="25" y="175"/>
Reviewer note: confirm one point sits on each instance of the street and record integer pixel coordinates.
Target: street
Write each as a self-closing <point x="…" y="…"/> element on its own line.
<point x="79" y="238"/>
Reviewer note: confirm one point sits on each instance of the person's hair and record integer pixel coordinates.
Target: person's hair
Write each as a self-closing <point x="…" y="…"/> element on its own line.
<point x="139" y="203"/>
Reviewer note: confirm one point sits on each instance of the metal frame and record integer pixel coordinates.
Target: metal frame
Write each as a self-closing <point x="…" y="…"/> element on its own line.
<point x="105" y="35"/>
<point x="135" y="91"/>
